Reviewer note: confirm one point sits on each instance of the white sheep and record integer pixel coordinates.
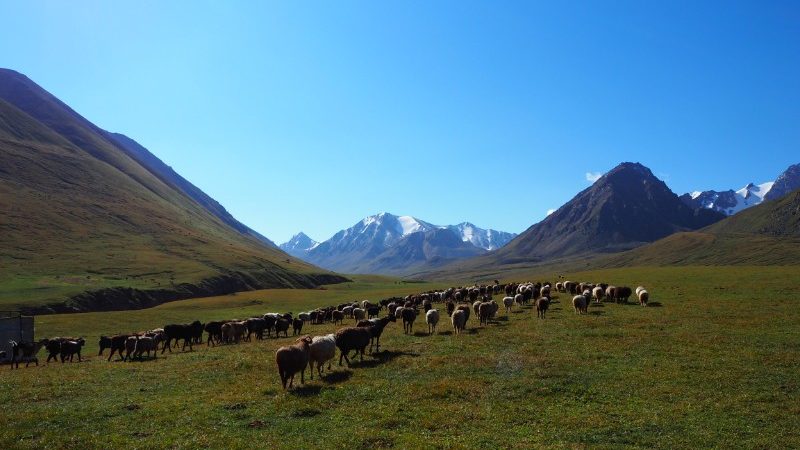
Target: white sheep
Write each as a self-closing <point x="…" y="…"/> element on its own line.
<point x="459" y="319"/>
<point x="579" y="302"/>
<point x="321" y="350"/>
<point x="597" y="293"/>
<point x="643" y="296"/>
<point x="432" y="318"/>
<point x="359" y="314"/>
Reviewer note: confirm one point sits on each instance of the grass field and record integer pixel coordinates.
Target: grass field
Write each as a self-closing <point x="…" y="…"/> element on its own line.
<point x="715" y="363"/>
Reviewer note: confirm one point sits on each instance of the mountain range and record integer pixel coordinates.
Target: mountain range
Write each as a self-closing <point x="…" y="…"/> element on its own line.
<point x="390" y="244"/>
<point x="92" y="220"/>
<point x="731" y="202"/>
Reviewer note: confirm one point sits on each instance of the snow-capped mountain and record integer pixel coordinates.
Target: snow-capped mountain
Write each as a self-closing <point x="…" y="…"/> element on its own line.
<point x="298" y="245"/>
<point x="353" y="250"/>
<point x="485" y="239"/>
<point x="730" y="202"/>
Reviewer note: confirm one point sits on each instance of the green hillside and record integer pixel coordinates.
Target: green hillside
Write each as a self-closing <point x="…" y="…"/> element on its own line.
<point x="80" y="217"/>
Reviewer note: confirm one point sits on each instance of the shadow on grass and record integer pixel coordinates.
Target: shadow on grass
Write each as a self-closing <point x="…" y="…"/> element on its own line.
<point x="517" y="311"/>
<point x="445" y="333"/>
<point x="654" y="304"/>
<point x="380" y="358"/>
<point x="501" y="319"/>
<point x="596" y="313"/>
<point x="305" y="390"/>
<point x="337" y="376"/>
<point x="420" y="333"/>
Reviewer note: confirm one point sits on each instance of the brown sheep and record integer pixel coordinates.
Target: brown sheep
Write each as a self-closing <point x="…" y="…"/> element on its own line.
<point x="409" y="315"/>
<point x="644" y="297"/>
<point x="71" y="348"/>
<point x="292" y="359"/>
<point x="541" y="306"/>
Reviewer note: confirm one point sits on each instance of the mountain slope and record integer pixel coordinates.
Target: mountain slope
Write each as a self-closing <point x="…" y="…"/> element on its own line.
<point x="625" y="208"/>
<point x="786" y="182"/>
<point x="767" y="234"/>
<point x="87" y="226"/>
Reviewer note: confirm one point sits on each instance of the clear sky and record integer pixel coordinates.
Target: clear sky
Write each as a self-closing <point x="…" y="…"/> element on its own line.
<point x="311" y="115"/>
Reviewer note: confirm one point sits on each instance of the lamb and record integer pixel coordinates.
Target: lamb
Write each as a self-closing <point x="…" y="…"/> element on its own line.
<point x="322" y="349"/>
<point x="297" y="326"/>
<point x="579" y="302"/>
<point x="508" y="302"/>
<point x="459" y="319"/>
<point x="541" y="306"/>
<point x="409" y="315"/>
<point x="432" y="318"/>
<point x="72" y="348"/>
<point x="352" y="338"/>
<point x="644" y="297"/>
<point x="292" y="359"/>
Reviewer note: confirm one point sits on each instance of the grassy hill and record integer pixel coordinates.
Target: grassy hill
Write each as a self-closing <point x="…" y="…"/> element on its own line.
<point x="715" y="365"/>
<point x="767" y="234"/>
<point x="85" y="226"/>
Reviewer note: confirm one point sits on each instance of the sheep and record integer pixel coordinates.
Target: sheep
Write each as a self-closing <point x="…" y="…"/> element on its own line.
<point x="292" y="359"/>
<point x="377" y="326"/>
<point x="359" y="314"/>
<point x="638" y="289"/>
<point x="597" y="293"/>
<point x="450" y="308"/>
<point x="623" y="293"/>
<point x="545" y="292"/>
<point x="348" y="311"/>
<point x="297" y="326"/>
<point x="26" y="351"/>
<point x="147" y="344"/>
<point x="519" y="299"/>
<point x="53" y="347"/>
<point x="579" y="302"/>
<point x="337" y="317"/>
<point x="644" y="297"/>
<point x="611" y="292"/>
<point x="485" y="312"/>
<point x="321" y="350"/>
<point x="233" y="332"/>
<point x="541" y="306"/>
<point x="72" y="348"/>
<point x="459" y="319"/>
<point x="130" y="347"/>
<point x="508" y="302"/>
<point x="373" y="311"/>
<point x="466" y="310"/>
<point x="187" y="332"/>
<point x="282" y="326"/>
<point x="305" y="317"/>
<point x="214" y="330"/>
<point x="427" y="305"/>
<point x="398" y="312"/>
<point x="432" y="318"/>
<point x="255" y="325"/>
<point x="476" y="308"/>
<point x="352" y="338"/>
<point x="409" y="315"/>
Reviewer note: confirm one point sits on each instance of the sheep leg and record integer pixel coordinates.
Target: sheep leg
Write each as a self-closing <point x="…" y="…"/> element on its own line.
<point x="303" y="376"/>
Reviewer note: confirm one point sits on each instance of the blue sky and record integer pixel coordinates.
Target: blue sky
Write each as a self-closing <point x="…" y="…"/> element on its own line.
<point x="311" y="115"/>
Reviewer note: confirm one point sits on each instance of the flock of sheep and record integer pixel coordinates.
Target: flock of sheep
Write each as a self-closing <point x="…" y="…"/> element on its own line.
<point x="459" y="303"/>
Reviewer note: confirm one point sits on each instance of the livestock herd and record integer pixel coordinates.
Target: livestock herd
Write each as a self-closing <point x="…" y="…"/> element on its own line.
<point x="458" y="302"/>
